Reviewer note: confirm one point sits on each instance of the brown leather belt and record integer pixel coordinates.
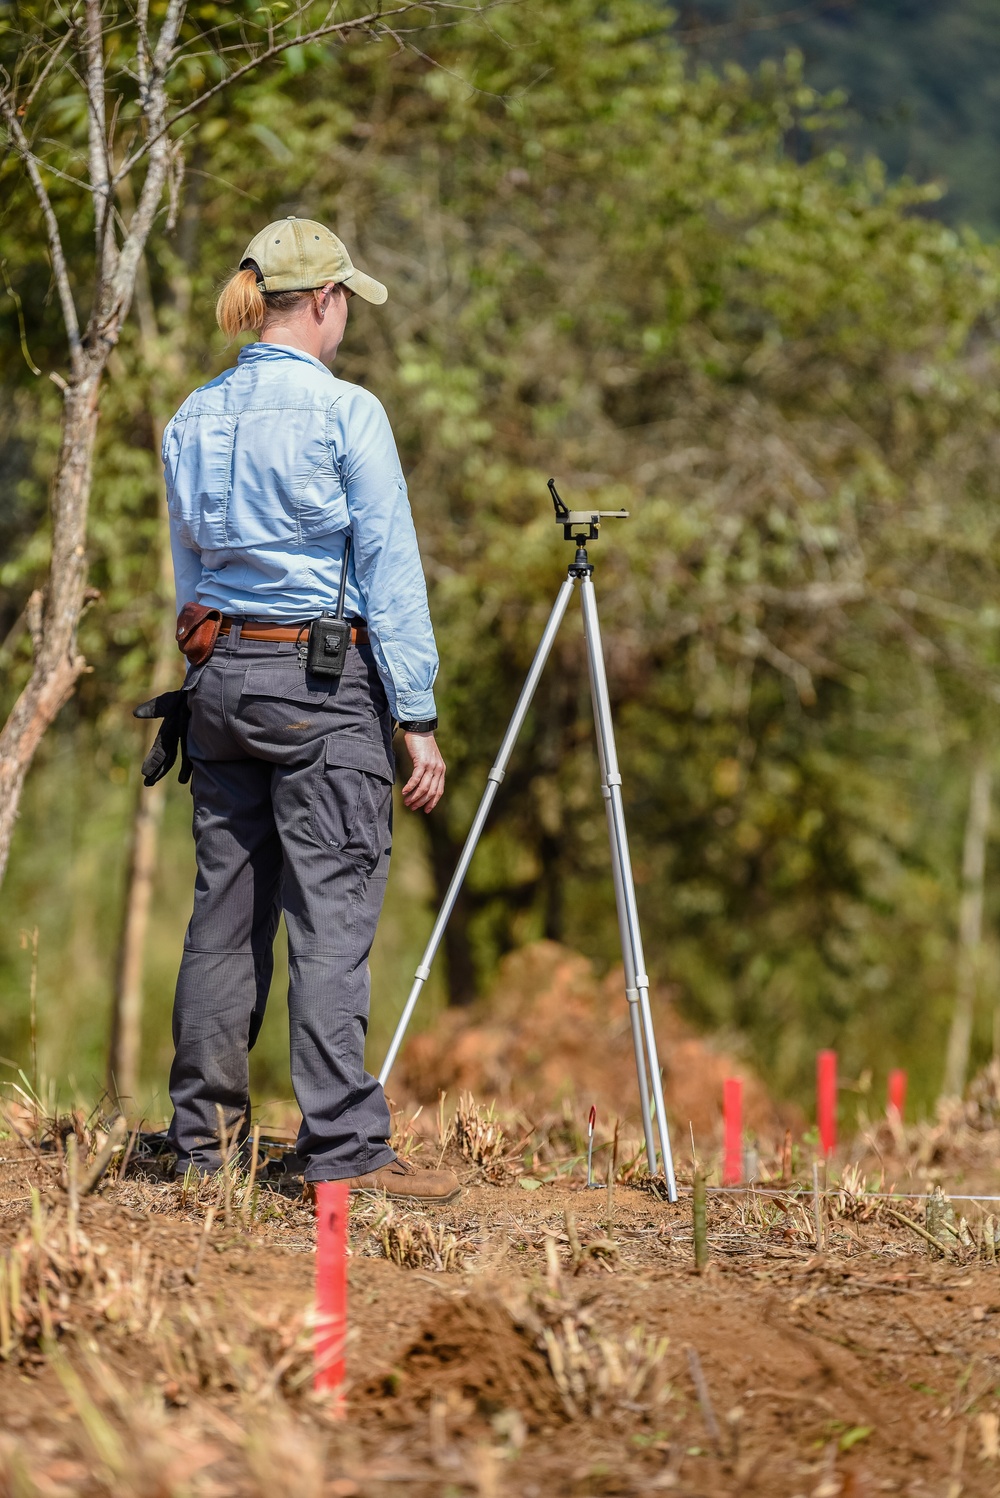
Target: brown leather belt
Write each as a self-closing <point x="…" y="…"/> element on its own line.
<point x="288" y="633"/>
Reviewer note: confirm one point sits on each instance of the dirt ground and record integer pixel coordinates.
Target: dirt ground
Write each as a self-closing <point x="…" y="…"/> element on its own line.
<point x="534" y="1338"/>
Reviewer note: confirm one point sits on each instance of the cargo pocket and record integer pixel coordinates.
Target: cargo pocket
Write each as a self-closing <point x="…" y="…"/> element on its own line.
<point x="193" y="677"/>
<point x="335" y="806"/>
<point x="281" y="706"/>
<point x="351" y="814"/>
<point x="286" y="682"/>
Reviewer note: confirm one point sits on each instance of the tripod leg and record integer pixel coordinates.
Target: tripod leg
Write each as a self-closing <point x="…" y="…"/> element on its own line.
<point x="625" y="934"/>
<point x="628" y="962"/>
<point x="624" y="883"/>
<point x="479" y="821"/>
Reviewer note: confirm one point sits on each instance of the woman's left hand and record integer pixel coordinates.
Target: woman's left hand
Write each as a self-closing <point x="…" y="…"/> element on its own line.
<point x="425" y="787"/>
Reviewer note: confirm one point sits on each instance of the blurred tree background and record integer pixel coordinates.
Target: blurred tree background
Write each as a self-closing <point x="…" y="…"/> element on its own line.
<point x="919" y="79"/>
<point x="679" y="288"/>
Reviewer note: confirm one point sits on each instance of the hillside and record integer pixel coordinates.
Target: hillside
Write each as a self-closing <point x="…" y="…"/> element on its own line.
<point x="923" y="79"/>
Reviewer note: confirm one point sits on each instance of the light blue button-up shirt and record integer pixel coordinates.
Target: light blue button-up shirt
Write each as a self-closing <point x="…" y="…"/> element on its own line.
<point x="267" y="468"/>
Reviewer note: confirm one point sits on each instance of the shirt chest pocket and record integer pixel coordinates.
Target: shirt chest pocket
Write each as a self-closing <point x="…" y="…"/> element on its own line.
<point x="285" y="485"/>
<point x="321" y="499"/>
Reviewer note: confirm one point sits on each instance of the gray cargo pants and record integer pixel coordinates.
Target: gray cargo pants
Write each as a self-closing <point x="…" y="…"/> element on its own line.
<point x="292" y="786"/>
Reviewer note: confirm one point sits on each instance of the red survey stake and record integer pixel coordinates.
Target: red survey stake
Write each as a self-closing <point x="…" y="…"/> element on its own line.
<point x="332" y="1205"/>
<point x="826" y="1100"/>
<point x="732" y="1113"/>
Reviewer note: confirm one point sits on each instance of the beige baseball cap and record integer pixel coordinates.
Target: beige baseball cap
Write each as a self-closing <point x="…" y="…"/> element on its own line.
<point x="297" y="254"/>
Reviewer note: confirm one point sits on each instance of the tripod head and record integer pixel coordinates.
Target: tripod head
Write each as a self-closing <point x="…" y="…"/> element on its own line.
<point x="581" y="526"/>
<point x="575" y="522"/>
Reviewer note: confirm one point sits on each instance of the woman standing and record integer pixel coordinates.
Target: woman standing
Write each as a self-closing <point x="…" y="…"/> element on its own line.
<point x="288" y="509"/>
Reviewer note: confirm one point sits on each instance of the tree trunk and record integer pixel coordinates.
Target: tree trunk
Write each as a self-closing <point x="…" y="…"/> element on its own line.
<point x="457" y="946"/>
<point x="54" y="619"/>
<point x="126" y="1018"/>
<point x="552" y="851"/>
<point x="970" y="926"/>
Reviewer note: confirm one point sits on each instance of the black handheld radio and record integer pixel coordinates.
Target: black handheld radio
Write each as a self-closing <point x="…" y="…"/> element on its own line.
<point x="330" y="634"/>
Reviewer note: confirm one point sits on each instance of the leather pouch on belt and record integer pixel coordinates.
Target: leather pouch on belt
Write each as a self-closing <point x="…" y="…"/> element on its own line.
<point x="197" y="631"/>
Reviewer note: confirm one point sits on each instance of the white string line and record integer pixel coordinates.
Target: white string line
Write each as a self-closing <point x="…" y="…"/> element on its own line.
<point x="805" y="1194"/>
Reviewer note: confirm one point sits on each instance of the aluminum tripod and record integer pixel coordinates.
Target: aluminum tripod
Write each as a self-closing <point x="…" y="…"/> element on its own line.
<point x="579" y="526"/>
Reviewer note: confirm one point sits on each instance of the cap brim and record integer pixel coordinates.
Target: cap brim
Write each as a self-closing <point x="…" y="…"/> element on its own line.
<point x="365" y="287"/>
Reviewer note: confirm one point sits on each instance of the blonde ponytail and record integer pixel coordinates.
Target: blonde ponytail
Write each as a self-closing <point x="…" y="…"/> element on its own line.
<point x="241" y="307"/>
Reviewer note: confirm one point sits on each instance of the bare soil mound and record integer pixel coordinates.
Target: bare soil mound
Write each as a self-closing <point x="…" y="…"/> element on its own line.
<point x="552" y="1032"/>
<point x="470" y="1353"/>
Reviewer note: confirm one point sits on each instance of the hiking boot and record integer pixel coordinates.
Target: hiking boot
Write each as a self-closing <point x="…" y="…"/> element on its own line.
<point x="403" y="1182"/>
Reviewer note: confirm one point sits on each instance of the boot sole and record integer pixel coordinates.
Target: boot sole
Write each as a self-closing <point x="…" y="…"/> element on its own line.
<point x="407" y="1196"/>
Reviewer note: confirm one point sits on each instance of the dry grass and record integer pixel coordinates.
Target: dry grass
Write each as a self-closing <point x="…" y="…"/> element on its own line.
<point x="593" y="1370"/>
<point x="852" y="1200"/>
<point x="222" y="1401"/>
<point x="61" y="1284"/>
<point x="413" y="1243"/>
<point x="406" y="1138"/>
<point x="54" y="1274"/>
<point x="480" y="1139"/>
<point x="126" y="1442"/>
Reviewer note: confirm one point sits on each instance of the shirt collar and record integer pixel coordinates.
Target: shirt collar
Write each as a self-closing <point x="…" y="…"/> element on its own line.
<point x="257" y="352"/>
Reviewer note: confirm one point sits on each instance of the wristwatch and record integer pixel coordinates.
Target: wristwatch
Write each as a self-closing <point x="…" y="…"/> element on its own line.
<point x="422" y="725"/>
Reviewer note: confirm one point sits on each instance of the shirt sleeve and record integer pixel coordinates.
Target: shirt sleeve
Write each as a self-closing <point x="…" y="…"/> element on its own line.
<point x="386" y="557"/>
<point x="187" y="569"/>
<point x="186" y="560"/>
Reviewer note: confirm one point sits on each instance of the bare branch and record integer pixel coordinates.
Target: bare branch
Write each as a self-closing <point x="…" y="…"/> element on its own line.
<point x="46" y="165"/>
<point x="32" y="616"/>
<point x="53" y="58"/>
<point x="376" y="22"/>
<point x="142" y="44"/>
<point x="22" y="330"/>
<point x="919" y="645"/>
<point x="175" y="181"/>
<point x="163" y="52"/>
<point x="158" y="148"/>
<point x="116" y="108"/>
<point x="97" y="137"/>
<point x="399" y="37"/>
<point x="814" y="596"/>
<point x="59" y="267"/>
<point x="937" y="608"/>
<point x="752" y="642"/>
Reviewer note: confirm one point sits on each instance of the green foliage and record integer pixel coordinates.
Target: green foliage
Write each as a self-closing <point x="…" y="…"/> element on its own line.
<point x="917" y="75"/>
<point x="606" y="266"/>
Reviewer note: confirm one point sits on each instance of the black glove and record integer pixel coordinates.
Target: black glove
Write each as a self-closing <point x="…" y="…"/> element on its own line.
<point x="173" y="708"/>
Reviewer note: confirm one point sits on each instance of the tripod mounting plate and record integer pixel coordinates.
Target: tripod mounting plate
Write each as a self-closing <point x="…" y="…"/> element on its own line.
<point x="580" y="525"/>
